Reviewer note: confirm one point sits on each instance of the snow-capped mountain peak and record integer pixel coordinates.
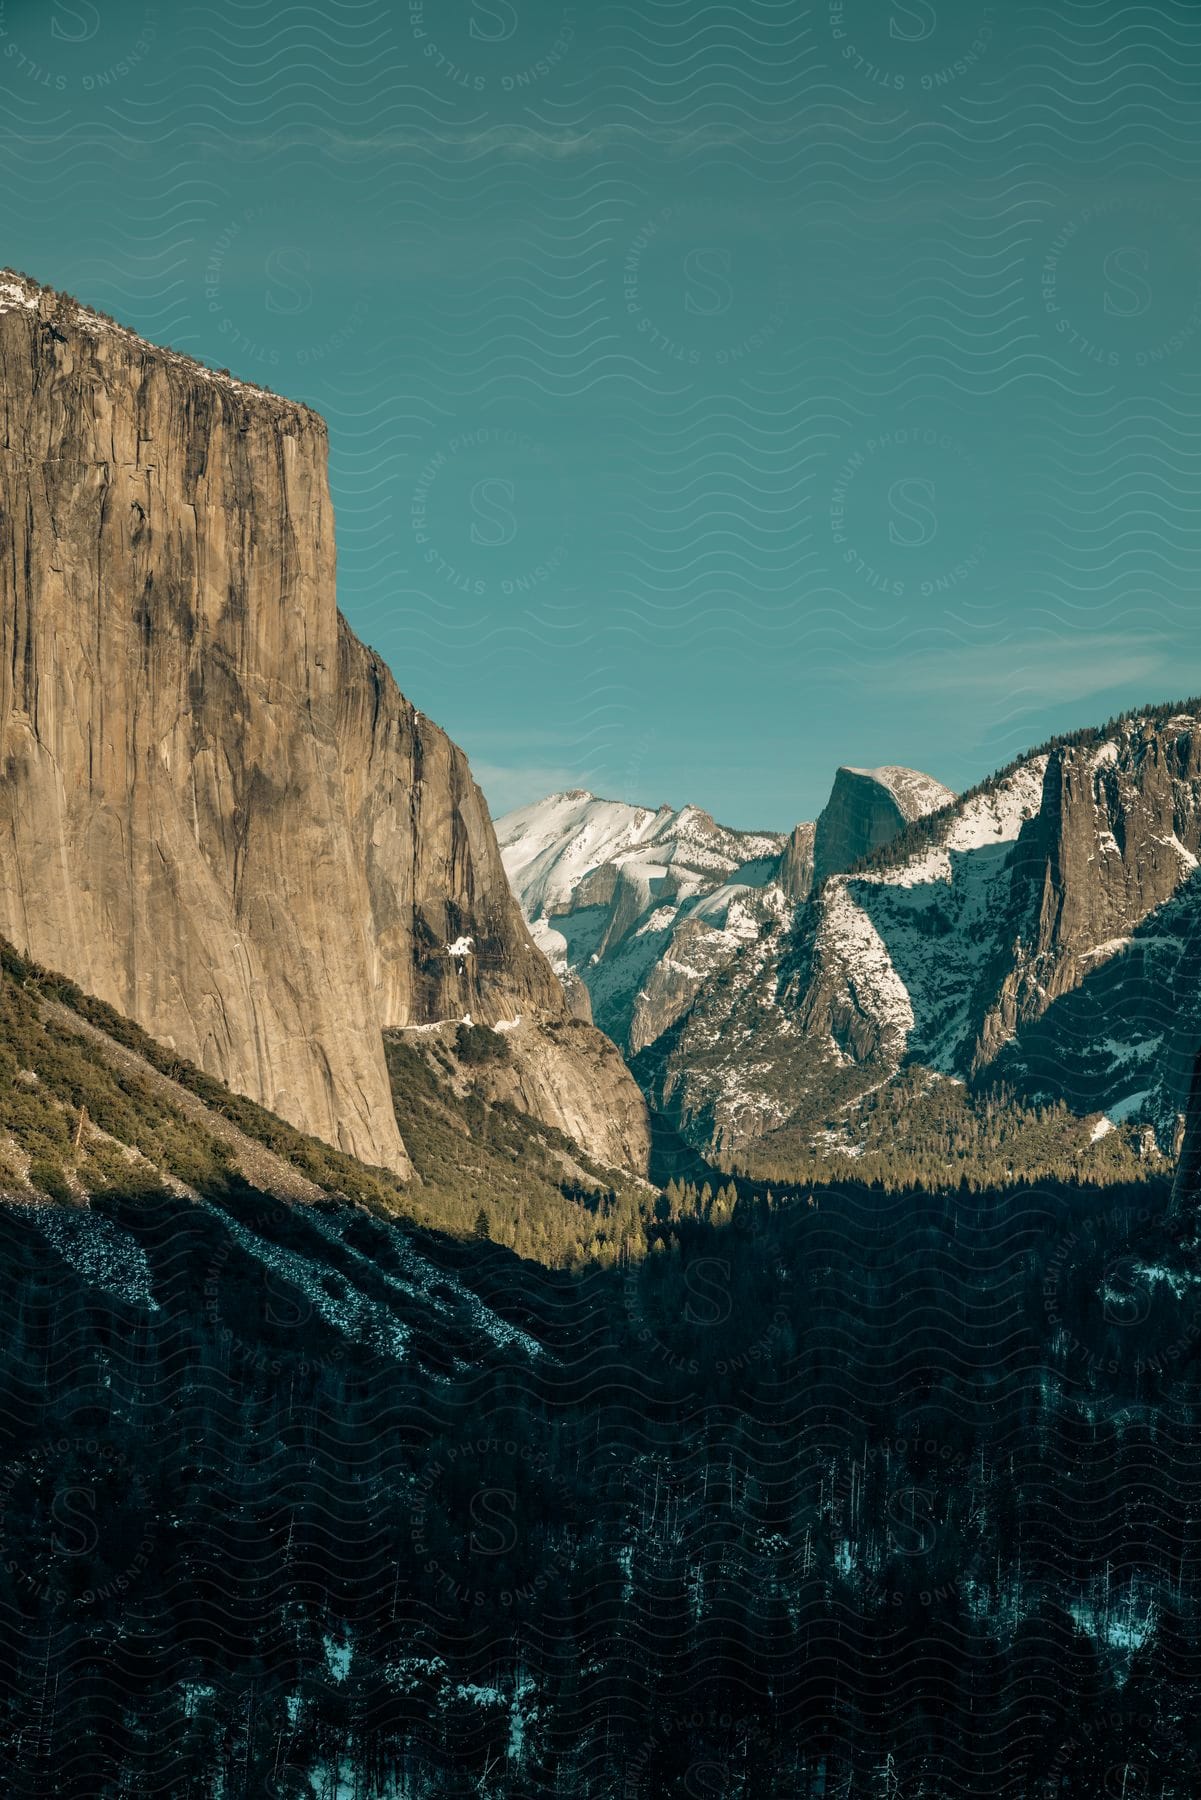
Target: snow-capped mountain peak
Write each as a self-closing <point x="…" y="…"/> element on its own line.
<point x="638" y="908"/>
<point x="607" y="888"/>
<point x="1041" y="931"/>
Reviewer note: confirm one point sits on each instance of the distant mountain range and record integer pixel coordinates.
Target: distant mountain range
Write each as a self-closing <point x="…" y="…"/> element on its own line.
<point x="638" y="908"/>
<point x="635" y="907"/>
<point x="907" y="964"/>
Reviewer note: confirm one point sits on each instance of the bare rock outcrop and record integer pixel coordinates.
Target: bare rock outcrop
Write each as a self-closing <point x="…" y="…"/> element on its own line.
<point x="1042" y="935"/>
<point x="796" y="863"/>
<point x="217" y="811"/>
<point x="1118" y="832"/>
<point x="867" y="808"/>
<point x="537" y="1072"/>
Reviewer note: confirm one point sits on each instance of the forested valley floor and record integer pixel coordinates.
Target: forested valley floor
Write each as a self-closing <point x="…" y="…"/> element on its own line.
<point x="850" y="1493"/>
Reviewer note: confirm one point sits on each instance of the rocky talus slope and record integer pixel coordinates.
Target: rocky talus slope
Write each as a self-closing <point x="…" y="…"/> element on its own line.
<point x="218" y="813"/>
<point x="1043" y="931"/>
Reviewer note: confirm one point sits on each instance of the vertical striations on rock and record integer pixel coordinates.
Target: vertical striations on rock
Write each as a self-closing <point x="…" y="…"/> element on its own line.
<point x="796" y="863"/>
<point x="218" y="812"/>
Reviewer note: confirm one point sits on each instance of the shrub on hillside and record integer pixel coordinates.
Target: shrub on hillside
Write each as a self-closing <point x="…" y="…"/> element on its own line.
<point x="476" y="1044"/>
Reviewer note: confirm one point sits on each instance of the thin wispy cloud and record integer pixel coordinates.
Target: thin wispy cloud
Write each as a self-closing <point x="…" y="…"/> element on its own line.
<point x="551" y="143"/>
<point x="1034" y="670"/>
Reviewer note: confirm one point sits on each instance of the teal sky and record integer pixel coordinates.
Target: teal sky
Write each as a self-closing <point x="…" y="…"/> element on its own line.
<point x="716" y="392"/>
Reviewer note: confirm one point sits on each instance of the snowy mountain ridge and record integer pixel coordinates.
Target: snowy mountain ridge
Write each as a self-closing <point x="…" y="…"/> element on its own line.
<point x="915" y="793"/>
<point x="635" y="906"/>
<point x="638" y="908"/>
<point x="868" y="809"/>
<point x="551" y="845"/>
<point x="1044" y="930"/>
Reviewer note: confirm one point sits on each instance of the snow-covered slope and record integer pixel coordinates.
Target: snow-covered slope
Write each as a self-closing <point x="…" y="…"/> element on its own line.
<point x="639" y="906"/>
<point x="1045" y="929"/>
<point x="639" y="910"/>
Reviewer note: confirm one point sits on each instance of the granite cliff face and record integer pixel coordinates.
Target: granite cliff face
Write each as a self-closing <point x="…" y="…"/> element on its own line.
<point x="866" y="810"/>
<point x="797" y="863"/>
<point x="1045" y="929"/>
<point x="1117" y="834"/>
<point x="218" y="813"/>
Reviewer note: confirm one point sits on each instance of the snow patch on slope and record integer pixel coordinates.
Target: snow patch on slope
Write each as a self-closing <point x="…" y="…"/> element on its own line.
<point x="101" y="1253"/>
<point x="608" y="888"/>
<point x="929" y="923"/>
<point x="871" y="974"/>
<point x="18" y="293"/>
<point x="988" y="819"/>
<point x="548" y="847"/>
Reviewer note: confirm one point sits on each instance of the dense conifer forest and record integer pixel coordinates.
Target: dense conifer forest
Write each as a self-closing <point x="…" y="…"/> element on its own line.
<point x="530" y="1480"/>
<point x="851" y="1494"/>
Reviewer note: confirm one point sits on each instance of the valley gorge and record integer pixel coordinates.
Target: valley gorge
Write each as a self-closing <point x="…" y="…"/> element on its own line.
<point x="639" y="910"/>
<point x="609" y="1306"/>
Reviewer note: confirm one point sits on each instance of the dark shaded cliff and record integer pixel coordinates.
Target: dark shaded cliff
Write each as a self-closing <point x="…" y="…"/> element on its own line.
<point x="867" y="808"/>
<point x="1186" y="1189"/>
<point x="218" y="813"/>
<point x="1117" y="834"/>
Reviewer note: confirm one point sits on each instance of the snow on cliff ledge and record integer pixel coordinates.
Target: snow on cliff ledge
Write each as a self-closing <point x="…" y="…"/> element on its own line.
<point x="19" y="294"/>
<point x="916" y="794"/>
